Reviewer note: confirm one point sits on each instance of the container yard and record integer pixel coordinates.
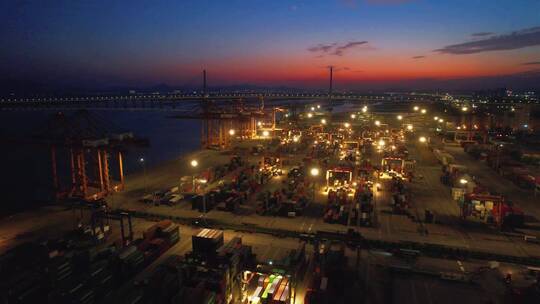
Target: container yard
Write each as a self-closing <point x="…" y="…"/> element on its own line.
<point x="303" y="209"/>
<point x="270" y="152"/>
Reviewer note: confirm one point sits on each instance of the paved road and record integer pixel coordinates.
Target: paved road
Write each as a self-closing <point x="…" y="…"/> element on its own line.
<point x="497" y="183"/>
<point x="428" y="194"/>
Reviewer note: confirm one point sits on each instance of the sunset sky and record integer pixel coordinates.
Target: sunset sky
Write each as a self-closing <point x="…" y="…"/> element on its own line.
<point x="271" y="43"/>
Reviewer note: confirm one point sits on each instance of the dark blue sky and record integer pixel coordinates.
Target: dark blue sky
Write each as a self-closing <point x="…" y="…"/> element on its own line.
<point x="276" y="42"/>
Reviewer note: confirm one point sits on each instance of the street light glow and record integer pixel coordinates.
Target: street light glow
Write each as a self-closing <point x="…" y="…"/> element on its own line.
<point x="194" y="163"/>
<point x="312" y="108"/>
<point x="231" y="132"/>
<point x="463" y="181"/>
<point x="353" y="116"/>
<point x="423" y="111"/>
<point x="381" y="143"/>
<point x="323" y="121"/>
<point x="464" y="109"/>
<point x="265" y="133"/>
<point x="314" y="171"/>
<point x="364" y="109"/>
<point x="377" y="123"/>
<point x="422" y="139"/>
<point x="347" y="125"/>
<point x="441" y="120"/>
<point x="141" y="160"/>
<point x="436" y="118"/>
<point x="318" y="106"/>
<point x="399" y="117"/>
<point x="416" y="108"/>
<point x="409" y="127"/>
<point x="309" y="115"/>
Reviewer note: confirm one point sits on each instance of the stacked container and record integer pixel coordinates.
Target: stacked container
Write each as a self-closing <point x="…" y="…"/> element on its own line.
<point x="207" y="241"/>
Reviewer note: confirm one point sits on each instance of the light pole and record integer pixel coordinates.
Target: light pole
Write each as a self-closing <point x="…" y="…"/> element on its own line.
<point x="194" y="163"/>
<point x="314" y="173"/>
<point x="231" y="136"/>
<point x="468" y="117"/>
<point x="141" y="160"/>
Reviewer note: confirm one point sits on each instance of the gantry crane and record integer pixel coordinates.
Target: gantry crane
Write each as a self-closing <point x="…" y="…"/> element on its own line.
<point x="222" y="121"/>
<point x="84" y="148"/>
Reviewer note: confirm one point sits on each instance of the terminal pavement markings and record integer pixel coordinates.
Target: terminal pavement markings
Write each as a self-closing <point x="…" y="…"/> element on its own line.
<point x="428" y="249"/>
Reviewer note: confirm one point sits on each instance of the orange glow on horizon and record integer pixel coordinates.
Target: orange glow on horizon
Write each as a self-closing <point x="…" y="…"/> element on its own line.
<point x="302" y="68"/>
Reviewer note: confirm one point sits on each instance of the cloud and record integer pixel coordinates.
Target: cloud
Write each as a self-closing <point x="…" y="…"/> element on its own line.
<point x="528" y="74"/>
<point x="482" y="34"/>
<point x="418" y="57"/>
<point x="336" y="68"/>
<point x="339" y="50"/>
<point x="335" y="48"/>
<point x="323" y="48"/>
<point x="532" y="63"/>
<point x="515" y="40"/>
